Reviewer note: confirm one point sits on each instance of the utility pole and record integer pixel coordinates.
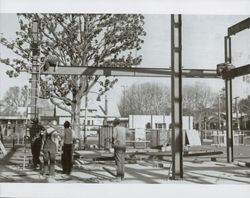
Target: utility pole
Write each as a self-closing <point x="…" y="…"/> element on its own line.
<point x="237" y="113"/>
<point x="219" y="112"/>
<point x="85" y="115"/>
<point x="124" y="96"/>
<point x="106" y="110"/>
<point x="124" y="88"/>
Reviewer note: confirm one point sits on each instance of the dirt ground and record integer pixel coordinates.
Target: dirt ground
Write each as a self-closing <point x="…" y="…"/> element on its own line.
<point x="139" y="169"/>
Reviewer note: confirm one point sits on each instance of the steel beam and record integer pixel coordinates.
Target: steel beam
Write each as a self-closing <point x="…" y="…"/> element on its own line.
<point x="228" y="89"/>
<point x="238" y="27"/>
<point x="239" y="71"/>
<point x="128" y="72"/>
<point x="35" y="70"/>
<point x="176" y="97"/>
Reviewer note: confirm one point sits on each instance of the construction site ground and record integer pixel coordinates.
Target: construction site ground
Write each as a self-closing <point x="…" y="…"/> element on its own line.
<point x="99" y="167"/>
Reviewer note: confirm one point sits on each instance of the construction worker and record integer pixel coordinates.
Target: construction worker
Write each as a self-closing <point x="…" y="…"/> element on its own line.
<point x="36" y="130"/>
<point x="119" y="144"/>
<point x="49" y="147"/>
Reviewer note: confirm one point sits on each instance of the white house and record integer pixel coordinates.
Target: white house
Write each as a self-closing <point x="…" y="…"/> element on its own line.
<point x="157" y="121"/>
<point x="94" y="117"/>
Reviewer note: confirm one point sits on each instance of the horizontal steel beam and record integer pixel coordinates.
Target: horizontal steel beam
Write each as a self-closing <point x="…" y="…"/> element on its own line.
<point x="238" y="27"/>
<point x="128" y="72"/>
<point x="239" y="71"/>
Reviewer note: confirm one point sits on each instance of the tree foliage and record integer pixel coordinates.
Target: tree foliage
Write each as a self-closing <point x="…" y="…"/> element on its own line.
<point x="77" y="40"/>
<point x="244" y="105"/>
<point x="15" y="97"/>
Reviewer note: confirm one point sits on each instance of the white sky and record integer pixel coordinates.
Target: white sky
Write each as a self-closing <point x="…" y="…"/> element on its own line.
<point x="203" y="47"/>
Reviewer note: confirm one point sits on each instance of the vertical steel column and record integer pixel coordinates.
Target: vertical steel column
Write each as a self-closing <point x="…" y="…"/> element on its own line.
<point x="35" y="70"/>
<point x="176" y="97"/>
<point x="228" y="86"/>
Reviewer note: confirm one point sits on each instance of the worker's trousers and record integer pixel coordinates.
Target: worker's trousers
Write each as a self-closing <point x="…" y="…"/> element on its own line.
<point x="67" y="158"/>
<point x="49" y="162"/>
<point x="35" y="150"/>
<point x="120" y="160"/>
<point x="49" y="157"/>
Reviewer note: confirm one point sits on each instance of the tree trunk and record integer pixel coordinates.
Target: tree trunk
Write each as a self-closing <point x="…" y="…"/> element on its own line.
<point x="76" y="107"/>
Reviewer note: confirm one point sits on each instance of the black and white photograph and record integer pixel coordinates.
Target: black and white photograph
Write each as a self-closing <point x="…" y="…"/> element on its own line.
<point x="116" y="98"/>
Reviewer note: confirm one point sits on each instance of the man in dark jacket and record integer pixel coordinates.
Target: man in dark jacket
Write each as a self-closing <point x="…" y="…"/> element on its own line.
<point x="36" y="130"/>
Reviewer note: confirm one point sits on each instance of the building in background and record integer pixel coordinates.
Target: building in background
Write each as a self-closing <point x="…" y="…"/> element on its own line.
<point x="94" y="118"/>
<point x="157" y="122"/>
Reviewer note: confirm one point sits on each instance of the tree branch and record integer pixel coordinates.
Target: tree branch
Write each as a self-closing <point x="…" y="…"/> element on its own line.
<point x="66" y="100"/>
<point x="60" y="106"/>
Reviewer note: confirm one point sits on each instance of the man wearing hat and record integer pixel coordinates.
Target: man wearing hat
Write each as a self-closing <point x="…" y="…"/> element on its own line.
<point x="36" y="130"/>
<point x="119" y="143"/>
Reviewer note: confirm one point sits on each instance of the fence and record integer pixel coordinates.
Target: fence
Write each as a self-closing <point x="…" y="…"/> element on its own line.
<point x="137" y="138"/>
<point x="240" y="138"/>
<point x="105" y="137"/>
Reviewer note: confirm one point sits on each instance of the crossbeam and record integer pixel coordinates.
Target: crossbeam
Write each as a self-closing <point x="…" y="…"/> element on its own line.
<point x="239" y="71"/>
<point x="128" y="72"/>
<point x="238" y="27"/>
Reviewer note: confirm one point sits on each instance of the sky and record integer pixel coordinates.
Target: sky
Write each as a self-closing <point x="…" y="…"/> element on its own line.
<point x="203" y="48"/>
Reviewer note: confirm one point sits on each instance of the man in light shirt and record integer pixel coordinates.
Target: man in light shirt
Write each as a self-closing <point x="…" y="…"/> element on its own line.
<point x="119" y="143"/>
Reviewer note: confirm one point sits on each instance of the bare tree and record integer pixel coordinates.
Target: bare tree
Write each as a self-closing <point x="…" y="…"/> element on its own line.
<point x="198" y="97"/>
<point x="15" y="97"/>
<point x="146" y="98"/>
<point x="198" y="101"/>
<point x="77" y="40"/>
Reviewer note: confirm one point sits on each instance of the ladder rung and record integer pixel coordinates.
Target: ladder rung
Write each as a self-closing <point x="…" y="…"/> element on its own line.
<point x="36" y="64"/>
<point x="31" y="96"/>
<point x="35" y="73"/>
<point x="34" y="89"/>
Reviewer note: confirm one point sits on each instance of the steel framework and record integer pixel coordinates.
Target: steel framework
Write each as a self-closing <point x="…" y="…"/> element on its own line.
<point x="229" y="75"/>
<point x="175" y="72"/>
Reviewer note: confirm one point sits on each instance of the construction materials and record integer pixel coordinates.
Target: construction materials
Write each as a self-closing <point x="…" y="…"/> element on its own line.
<point x="3" y="148"/>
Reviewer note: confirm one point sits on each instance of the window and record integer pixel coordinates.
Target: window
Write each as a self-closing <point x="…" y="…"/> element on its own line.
<point x="160" y="125"/>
